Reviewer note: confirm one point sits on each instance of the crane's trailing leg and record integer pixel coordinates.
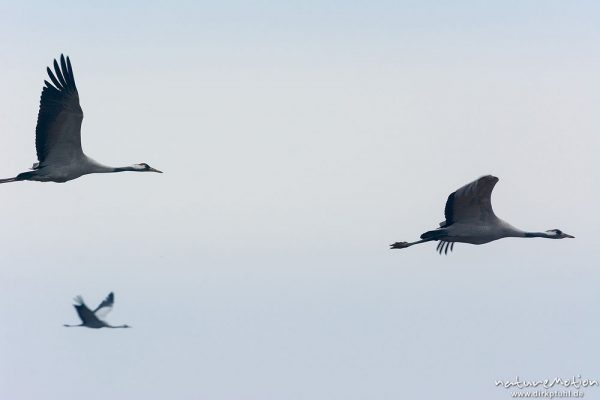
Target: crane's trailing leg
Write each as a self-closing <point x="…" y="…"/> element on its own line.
<point x="403" y="245"/>
<point x="26" y="176"/>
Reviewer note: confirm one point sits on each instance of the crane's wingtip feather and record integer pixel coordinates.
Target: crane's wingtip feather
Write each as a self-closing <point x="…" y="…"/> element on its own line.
<point x="489" y="176"/>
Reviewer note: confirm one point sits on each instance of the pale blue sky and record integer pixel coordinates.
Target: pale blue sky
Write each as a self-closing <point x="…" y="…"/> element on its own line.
<point x="298" y="141"/>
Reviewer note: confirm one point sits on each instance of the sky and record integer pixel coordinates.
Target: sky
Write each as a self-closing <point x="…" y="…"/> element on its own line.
<point x="298" y="140"/>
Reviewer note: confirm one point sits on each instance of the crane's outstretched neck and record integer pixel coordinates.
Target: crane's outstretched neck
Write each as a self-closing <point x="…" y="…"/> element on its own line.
<point x="8" y="180"/>
<point x="72" y="326"/>
<point x="143" y="167"/>
<point x="537" y="234"/>
<point x="123" y="169"/>
<point x="97" y="168"/>
<point x="118" y="326"/>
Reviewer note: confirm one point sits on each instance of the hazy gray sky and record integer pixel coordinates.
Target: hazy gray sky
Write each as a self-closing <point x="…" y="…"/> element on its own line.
<point x="298" y="140"/>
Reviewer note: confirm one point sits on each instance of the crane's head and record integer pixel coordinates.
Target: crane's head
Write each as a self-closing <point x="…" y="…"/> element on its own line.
<point x="143" y="167"/>
<point x="558" y="234"/>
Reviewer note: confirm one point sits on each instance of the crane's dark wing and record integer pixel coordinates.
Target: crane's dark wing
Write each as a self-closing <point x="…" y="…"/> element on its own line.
<point x="471" y="203"/>
<point x="105" y="307"/>
<point x="58" y="131"/>
<point x="85" y="314"/>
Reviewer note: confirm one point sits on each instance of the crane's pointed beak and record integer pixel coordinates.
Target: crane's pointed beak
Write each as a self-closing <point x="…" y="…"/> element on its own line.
<point x="154" y="170"/>
<point x="569" y="236"/>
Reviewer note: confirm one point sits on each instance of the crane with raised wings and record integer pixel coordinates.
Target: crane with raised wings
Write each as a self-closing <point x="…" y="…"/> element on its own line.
<point x="471" y="219"/>
<point x="58" y="134"/>
<point x="96" y="318"/>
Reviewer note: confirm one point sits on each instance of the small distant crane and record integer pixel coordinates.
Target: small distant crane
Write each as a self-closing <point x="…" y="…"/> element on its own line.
<point x="95" y="319"/>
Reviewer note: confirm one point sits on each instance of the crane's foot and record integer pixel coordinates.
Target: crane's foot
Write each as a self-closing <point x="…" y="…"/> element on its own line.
<point x="399" y="245"/>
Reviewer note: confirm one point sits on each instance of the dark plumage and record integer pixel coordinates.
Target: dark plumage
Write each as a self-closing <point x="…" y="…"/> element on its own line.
<point x="60" y="115"/>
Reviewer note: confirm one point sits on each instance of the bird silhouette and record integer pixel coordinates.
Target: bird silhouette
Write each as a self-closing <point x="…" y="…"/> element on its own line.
<point x="58" y="134"/>
<point x="470" y="219"/>
<point x="95" y="319"/>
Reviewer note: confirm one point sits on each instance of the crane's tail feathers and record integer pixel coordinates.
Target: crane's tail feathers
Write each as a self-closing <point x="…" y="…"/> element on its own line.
<point x="8" y="180"/>
<point x="435" y="235"/>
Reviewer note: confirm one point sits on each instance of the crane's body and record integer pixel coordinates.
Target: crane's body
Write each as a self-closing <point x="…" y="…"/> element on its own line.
<point x="58" y="134"/>
<point x="480" y="233"/>
<point x="60" y="173"/>
<point x="471" y="219"/>
<point x="95" y="319"/>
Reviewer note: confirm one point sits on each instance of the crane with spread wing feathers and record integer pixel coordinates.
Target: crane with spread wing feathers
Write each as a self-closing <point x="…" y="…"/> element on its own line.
<point x="58" y="134"/>
<point x="95" y="319"/>
<point x="470" y="219"/>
